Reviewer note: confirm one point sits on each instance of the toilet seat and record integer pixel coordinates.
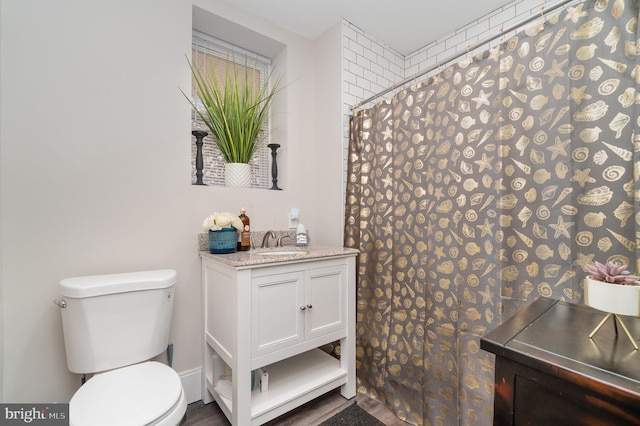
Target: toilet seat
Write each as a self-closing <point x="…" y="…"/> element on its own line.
<point x="143" y="394"/>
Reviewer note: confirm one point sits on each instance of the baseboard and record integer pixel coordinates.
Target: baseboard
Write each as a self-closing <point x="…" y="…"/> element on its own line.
<point x="192" y="384"/>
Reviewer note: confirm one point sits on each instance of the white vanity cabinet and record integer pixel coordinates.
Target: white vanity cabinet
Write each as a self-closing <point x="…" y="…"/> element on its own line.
<point x="275" y="315"/>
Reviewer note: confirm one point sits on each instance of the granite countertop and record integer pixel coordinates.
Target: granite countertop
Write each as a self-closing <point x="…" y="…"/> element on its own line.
<point x="254" y="257"/>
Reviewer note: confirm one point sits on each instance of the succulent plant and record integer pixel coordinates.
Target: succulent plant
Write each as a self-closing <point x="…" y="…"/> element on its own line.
<point x="612" y="273"/>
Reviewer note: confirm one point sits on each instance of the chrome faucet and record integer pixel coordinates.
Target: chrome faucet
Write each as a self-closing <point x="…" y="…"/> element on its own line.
<point x="265" y="239"/>
<point x="279" y="242"/>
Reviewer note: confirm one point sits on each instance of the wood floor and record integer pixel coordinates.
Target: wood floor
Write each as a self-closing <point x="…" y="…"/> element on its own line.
<point x="310" y="414"/>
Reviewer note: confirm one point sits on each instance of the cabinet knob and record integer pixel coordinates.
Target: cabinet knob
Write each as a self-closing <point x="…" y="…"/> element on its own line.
<point x="302" y="308"/>
<point x="309" y="306"/>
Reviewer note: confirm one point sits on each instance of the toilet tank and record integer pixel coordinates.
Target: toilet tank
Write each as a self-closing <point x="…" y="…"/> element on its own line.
<point x="110" y="321"/>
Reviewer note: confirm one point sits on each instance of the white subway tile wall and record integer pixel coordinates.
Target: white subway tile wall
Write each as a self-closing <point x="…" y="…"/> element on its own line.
<point x="369" y="66"/>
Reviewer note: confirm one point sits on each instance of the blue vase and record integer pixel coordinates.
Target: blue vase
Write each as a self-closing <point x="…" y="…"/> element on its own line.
<point x="223" y="241"/>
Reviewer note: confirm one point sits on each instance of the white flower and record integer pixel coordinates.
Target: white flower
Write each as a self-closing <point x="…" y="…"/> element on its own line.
<point x="217" y="221"/>
<point x="210" y="223"/>
<point x="223" y="220"/>
<point x="236" y="222"/>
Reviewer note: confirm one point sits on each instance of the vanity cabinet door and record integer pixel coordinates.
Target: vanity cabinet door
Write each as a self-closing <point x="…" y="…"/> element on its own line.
<point x="277" y="320"/>
<point x="325" y="291"/>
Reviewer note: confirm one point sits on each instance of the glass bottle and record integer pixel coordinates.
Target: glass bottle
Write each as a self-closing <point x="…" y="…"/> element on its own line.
<point x="244" y="243"/>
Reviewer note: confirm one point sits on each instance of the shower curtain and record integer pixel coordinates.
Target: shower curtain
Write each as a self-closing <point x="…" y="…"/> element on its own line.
<point x="483" y="188"/>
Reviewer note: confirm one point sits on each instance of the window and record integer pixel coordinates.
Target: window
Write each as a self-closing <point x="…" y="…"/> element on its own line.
<point x="210" y="54"/>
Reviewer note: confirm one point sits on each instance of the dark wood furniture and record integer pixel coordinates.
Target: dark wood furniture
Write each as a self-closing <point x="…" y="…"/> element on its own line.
<point x="549" y="372"/>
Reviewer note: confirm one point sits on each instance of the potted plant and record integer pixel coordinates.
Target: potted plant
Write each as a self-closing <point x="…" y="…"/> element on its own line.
<point x="223" y="232"/>
<point x="235" y="111"/>
<point x="610" y="287"/>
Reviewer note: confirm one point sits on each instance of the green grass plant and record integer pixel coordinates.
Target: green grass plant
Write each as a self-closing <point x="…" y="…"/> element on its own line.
<point x="235" y="110"/>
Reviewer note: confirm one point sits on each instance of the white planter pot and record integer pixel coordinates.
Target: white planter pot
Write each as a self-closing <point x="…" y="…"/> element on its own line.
<point x="613" y="298"/>
<point x="237" y="174"/>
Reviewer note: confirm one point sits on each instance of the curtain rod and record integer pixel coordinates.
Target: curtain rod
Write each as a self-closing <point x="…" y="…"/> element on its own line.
<point x="474" y="47"/>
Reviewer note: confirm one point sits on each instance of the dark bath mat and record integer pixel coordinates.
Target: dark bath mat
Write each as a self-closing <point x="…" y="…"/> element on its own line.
<point x="353" y="415"/>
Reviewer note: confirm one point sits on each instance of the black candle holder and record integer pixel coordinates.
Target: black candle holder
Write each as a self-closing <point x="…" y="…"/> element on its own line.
<point x="199" y="134"/>
<point x="274" y="166"/>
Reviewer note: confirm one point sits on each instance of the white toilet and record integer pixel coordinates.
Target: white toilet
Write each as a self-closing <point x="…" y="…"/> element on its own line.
<point x="113" y="326"/>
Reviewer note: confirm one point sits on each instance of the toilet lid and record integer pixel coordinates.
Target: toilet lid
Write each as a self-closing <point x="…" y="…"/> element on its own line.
<point x="134" y="395"/>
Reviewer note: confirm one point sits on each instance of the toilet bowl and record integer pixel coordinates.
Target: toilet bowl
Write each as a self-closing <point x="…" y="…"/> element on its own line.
<point x="149" y="393"/>
<point x="114" y="326"/>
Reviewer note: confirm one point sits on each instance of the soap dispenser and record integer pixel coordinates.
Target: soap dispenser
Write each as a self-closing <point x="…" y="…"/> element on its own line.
<point x="302" y="238"/>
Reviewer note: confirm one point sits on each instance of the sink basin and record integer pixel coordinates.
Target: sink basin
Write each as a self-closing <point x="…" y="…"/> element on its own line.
<point x="282" y="253"/>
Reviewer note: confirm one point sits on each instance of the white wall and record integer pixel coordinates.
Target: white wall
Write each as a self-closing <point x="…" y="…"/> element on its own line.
<point x="327" y="153"/>
<point x="95" y="166"/>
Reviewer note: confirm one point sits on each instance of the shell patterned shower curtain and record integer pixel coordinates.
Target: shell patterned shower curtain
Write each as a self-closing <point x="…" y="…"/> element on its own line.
<point x="474" y="193"/>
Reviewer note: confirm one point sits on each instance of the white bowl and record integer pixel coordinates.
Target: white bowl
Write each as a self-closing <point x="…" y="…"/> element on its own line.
<point x="613" y="298"/>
